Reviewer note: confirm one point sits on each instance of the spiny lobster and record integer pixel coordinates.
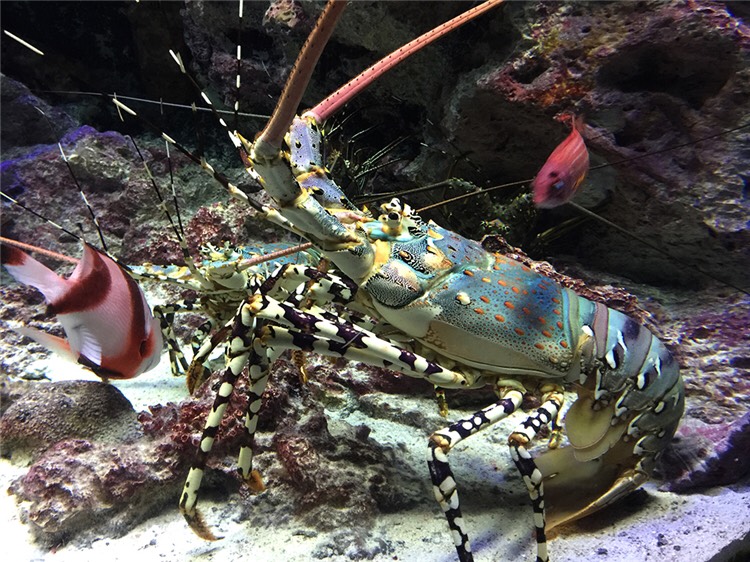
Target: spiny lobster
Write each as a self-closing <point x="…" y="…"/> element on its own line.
<point x="474" y="318"/>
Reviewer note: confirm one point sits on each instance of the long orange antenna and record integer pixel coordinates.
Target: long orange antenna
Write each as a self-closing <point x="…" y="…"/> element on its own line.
<point x="30" y="248"/>
<point x="270" y="138"/>
<point x="336" y="100"/>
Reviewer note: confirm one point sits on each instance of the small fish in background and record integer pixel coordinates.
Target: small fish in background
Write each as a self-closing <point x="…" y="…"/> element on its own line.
<point x="563" y="172"/>
<point x="107" y="321"/>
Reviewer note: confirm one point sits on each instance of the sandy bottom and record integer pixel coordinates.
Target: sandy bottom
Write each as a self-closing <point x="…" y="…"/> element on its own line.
<point x="650" y="525"/>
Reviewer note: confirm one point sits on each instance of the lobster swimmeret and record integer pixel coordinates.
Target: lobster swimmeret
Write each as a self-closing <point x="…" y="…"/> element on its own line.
<point x="490" y="319"/>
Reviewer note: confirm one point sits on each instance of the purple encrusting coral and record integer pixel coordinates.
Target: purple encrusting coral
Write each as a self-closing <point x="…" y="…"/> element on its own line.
<point x="646" y="77"/>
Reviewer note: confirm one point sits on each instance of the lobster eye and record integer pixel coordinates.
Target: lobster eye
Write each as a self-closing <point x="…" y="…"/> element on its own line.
<point x="558" y="185"/>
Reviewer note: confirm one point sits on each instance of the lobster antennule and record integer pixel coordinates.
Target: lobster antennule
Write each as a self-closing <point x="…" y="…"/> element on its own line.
<point x="345" y="93"/>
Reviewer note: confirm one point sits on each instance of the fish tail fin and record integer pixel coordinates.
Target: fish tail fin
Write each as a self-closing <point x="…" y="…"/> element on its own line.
<point x="53" y="343"/>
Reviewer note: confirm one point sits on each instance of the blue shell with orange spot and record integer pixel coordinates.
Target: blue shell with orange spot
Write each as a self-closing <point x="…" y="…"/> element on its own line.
<point x="485" y="310"/>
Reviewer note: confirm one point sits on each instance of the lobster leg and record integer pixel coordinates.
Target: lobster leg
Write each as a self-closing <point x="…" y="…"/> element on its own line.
<point x="200" y="334"/>
<point x="443" y="482"/>
<point x="239" y="350"/>
<point x="257" y="338"/>
<point x="524" y="434"/>
<point x="198" y="372"/>
<point x="165" y="315"/>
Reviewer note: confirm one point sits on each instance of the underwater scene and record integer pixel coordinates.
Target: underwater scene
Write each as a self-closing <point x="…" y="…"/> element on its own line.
<point x="490" y="300"/>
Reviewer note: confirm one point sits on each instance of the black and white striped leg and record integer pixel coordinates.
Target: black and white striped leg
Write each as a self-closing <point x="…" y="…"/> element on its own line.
<point x="239" y="350"/>
<point x="200" y="334"/>
<point x="518" y="441"/>
<point x="198" y="372"/>
<point x="165" y="315"/>
<point x="309" y="330"/>
<point x="319" y="287"/>
<point x="443" y="482"/>
<point x="262" y="329"/>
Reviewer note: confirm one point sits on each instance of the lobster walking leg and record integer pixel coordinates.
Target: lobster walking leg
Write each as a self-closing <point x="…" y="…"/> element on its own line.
<point x="524" y="434"/>
<point x="165" y="315"/>
<point x="239" y="351"/>
<point x="263" y="327"/>
<point x="443" y="482"/>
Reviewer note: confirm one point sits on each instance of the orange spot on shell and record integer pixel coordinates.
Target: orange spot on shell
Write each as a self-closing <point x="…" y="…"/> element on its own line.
<point x="509" y="305"/>
<point x="526" y="310"/>
<point x="468" y="272"/>
<point x="538" y="346"/>
<point x="564" y="344"/>
<point x="479" y="311"/>
<point x="546" y="334"/>
<point x="503" y="283"/>
<point x="542" y="320"/>
<point x="555" y="300"/>
<point x="499" y="317"/>
<point x="525" y="292"/>
<point x="559" y="325"/>
<point x="556" y="311"/>
<point x="484" y="299"/>
<point x="485" y="279"/>
<point x="519" y="331"/>
<point x="515" y="290"/>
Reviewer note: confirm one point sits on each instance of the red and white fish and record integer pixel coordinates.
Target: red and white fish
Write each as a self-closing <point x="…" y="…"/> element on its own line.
<point x="107" y="321"/>
<point x="563" y="172"/>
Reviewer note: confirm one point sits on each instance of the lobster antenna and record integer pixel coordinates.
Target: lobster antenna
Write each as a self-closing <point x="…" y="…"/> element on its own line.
<point x="52" y="254"/>
<point x="268" y="142"/>
<point x="163" y="205"/>
<point x="521" y="182"/>
<point x="450" y="182"/>
<point x="24" y="43"/>
<point x="240" y="11"/>
<point x="257" y="260"/>
<point x="337" y="99"/>
<point x="675" y="147"/>
<point x="209" y="104"/>
<point x="153" y="102"/>
<point x="45" y="219"/>
<point x="94" y="218"/>
<point x="479" y="191"/>
<point x="181" y="233"/>
<point x="30" y="248"/>
<point x="232" y="189"/>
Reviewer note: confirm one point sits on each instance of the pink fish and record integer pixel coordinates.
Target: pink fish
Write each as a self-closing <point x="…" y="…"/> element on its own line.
<point x="562" y="173"/>
<point x="107" y="321"/>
